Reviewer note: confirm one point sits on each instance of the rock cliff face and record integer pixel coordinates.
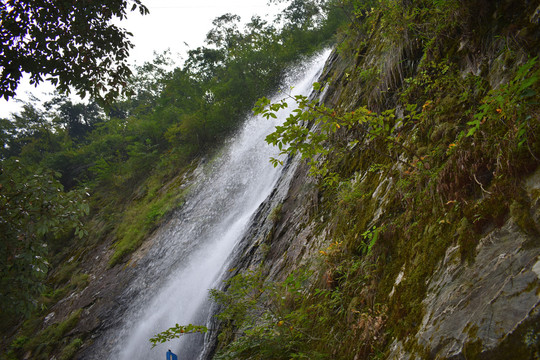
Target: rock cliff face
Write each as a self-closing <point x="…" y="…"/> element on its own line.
<point x="485" y="308"/>
<point x="471" y="309"/>
<point x="456" y="265"/>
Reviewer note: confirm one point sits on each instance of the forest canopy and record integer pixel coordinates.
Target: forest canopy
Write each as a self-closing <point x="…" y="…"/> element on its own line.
<point x="165" y="119"/>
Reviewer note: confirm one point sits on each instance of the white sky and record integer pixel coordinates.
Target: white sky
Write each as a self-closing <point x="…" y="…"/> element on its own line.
<point x="170" y="24"/>
<point x="173" y="22"/>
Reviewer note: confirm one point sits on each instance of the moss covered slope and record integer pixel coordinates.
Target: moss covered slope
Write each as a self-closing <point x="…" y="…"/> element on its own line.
<point x="419" y="235"/>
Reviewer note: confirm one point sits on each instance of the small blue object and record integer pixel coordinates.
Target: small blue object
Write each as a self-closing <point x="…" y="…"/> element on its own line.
<point x="171" y="355"/>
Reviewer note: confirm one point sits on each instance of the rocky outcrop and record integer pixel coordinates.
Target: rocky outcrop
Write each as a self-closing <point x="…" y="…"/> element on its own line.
<point x="481" y="306"/>
<point x="471" y="309"/>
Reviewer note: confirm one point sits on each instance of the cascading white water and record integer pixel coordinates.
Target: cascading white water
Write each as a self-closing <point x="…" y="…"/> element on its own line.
<point x="189" y="254"/>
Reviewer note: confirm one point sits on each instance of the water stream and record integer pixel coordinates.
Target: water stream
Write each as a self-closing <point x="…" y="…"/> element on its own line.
<point x="190" y="253"/>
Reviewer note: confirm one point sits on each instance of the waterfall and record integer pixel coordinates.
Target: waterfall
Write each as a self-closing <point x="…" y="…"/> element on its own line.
<point x="188" y="255"/>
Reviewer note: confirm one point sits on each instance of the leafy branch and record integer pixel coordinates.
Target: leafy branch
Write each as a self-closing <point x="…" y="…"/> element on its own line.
<point x="177" y="331"/>
<point x="310" y="127"/>
<point x="510" y="103"/>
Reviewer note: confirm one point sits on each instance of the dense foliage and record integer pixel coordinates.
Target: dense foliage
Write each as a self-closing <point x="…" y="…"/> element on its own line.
<point x="34" y="207"/>
<point x="123" y="154"/>
<point x="72" y="43"/>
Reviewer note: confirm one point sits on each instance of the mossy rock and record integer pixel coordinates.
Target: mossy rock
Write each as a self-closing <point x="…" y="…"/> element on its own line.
<point x="522" y="217"/>
<point x="467" y="240"/>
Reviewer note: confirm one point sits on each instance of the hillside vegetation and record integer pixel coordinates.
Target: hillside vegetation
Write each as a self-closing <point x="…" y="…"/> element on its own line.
<point x="79" y="176"/>
<point x="421" y="226"/>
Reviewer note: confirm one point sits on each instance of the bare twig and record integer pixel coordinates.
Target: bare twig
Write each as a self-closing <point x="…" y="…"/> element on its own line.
<point x="481" y="186"/>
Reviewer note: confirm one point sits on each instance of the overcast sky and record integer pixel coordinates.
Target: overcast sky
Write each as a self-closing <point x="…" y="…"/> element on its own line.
<point x="170" y="25"/>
